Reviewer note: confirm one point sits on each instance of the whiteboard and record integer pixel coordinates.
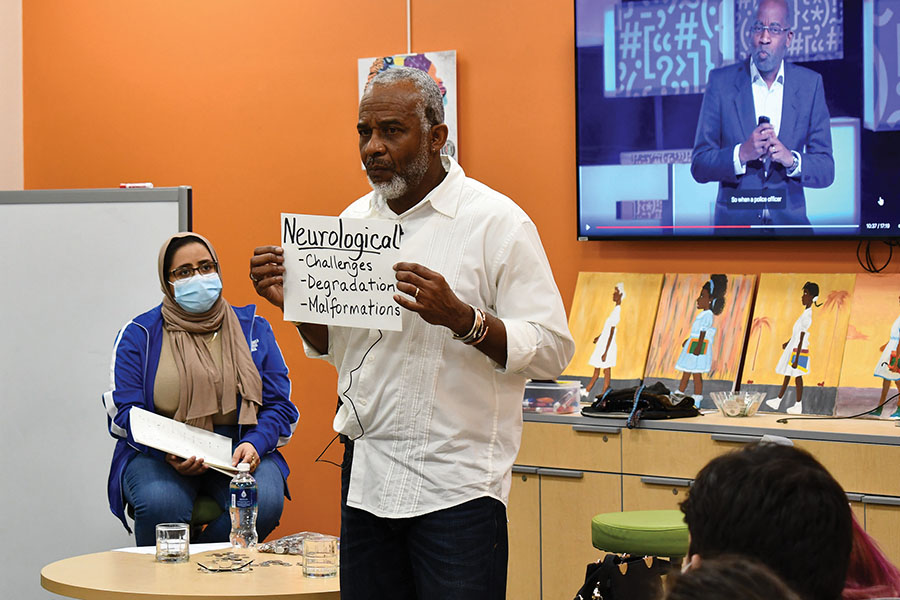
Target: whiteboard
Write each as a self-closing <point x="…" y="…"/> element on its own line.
<point x="76" y="265"/>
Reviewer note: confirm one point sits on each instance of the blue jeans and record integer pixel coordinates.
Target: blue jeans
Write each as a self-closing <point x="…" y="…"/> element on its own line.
<point x="458" y="553"/>
<point x="159" y="494"/>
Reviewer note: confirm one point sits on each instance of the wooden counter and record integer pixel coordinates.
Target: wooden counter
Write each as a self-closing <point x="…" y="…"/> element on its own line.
<point x="572" y="467"/>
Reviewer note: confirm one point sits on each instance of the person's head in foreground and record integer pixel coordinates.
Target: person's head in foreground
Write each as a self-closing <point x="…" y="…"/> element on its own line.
<point x="776" y="504"/>
<point x="728" y="578"/>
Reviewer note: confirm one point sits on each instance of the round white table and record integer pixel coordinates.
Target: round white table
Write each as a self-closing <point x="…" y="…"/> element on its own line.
<point x="125" y="575"/>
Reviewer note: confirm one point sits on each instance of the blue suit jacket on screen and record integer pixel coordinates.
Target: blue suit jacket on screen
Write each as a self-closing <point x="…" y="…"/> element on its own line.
<point x="728" y="117"/>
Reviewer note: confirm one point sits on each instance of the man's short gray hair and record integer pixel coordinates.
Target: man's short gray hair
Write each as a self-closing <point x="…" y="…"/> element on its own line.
<point x="787" y="11"/>
<point x="430" y="104"/>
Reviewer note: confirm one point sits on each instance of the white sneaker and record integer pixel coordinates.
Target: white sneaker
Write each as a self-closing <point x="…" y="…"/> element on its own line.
<point x="796" y="409"/>
<point x="774" y="403"/>
<point x="584" y="393"/>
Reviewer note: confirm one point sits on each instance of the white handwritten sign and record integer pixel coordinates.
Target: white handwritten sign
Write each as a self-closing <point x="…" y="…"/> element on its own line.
<point x="340" y="271"/>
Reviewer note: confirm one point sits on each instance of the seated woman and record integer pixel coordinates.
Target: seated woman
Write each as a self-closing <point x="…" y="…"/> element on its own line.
<point x="199" y="360"/>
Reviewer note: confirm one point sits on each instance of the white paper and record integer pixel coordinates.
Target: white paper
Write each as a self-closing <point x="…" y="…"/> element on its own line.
<point x="182" y="440"/>
<point x="194" y="548"/>
<point x="340" y="271"/>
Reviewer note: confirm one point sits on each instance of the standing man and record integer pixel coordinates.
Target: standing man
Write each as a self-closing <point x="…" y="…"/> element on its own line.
<point x="431" y="415"/>
<point x="764" y="131"/>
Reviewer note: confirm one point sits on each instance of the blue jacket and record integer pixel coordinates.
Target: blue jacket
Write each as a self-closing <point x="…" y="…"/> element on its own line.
<point x="134" y="363"/>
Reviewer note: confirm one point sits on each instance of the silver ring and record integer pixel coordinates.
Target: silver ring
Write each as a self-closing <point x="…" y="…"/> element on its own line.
<point x="416" y="295"/>
<point x="253" y="279"/>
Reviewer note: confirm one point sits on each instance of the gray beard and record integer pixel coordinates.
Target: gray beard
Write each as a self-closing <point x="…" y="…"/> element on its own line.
<point x="766" y="66"/>
<point x="392" y="189"/>
<point x="401" y="183"/>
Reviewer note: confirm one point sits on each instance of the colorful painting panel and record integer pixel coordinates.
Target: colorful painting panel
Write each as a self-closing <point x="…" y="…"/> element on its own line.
<point x="593" y="310"/>
<point x="780" y="318"/>
<point x="867" y="377"/>
<point x="685" y="309"/>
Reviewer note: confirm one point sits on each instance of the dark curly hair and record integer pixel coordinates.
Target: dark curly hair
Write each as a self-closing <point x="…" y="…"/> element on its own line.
<point x="778" y="505"/>
<point x="717" y="293"/>
<point x="728" y="578"/>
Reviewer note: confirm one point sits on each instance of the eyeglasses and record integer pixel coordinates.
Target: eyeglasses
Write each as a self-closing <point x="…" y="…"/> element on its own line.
<point x="775" y="29"/>
<point x="204" y="268"/>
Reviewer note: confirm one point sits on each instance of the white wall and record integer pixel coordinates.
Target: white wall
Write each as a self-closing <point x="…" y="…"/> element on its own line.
<point x="12" y="170"/>
<point x="95" y="249"/>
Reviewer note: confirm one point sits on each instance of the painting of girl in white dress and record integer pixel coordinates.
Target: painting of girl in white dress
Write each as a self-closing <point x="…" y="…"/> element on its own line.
<point x="870" y="374"/>
<point x="888" y="369"/>
<point x="696" y="351"/>
<point x="699" y="333"/>
<point x="794" y="360"/>
<point x="605" y="346"/>
<point x="797" y="336"/>
<point x="611" y="334"/>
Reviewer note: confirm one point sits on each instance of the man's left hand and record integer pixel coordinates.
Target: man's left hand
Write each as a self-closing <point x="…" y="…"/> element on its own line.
<point x="429" y="295"/>
<point x="778" y="152"/>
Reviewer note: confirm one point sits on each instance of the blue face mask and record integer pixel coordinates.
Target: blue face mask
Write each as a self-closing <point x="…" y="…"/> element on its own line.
<point x="197" y="294"/>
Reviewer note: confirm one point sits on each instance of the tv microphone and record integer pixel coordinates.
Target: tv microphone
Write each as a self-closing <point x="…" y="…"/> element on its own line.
<point x="767" y="161"/>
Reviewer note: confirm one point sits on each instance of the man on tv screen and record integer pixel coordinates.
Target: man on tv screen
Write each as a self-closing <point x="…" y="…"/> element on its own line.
<point x="764" y="131"/>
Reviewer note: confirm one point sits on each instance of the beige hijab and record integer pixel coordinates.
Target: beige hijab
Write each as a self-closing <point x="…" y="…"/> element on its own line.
<point x="205" y="390"/>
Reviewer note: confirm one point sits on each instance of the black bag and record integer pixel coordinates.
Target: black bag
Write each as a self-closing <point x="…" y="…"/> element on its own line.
<point x="650" y="402"/>
<point x="605" y="580"/>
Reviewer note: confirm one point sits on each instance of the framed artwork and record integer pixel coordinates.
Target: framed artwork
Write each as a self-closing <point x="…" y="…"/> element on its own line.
<point x="796" y="342"/>
<point x="612" y="332"/>
<point x="870" y="374"/>
<point x="699" y="333"/>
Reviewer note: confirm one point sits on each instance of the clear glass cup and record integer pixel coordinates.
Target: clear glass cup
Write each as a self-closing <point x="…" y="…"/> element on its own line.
<point x="320" y="556"/>
<point x="173" y="542"/>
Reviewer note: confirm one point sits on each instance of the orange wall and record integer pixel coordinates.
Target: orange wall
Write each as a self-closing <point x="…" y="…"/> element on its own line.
<point x="254" y="105"/>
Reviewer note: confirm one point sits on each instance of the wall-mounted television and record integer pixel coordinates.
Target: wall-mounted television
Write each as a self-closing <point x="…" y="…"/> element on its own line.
<point x="643" y="89"/>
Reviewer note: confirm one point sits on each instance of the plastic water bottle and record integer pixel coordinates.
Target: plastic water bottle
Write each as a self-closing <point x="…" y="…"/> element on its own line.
<point x="244" y="506"/>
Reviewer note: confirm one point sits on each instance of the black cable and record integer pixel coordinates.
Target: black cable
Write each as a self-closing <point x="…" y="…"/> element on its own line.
<point x="325" y="460"/>
<point x="353" y="406"/>
<point x="869" y="263"/>
<point x="820" y="418"/>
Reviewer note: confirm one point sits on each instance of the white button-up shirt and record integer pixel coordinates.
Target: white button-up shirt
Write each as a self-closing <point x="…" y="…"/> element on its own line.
<point x="767" y="101"/>
<point x="437" y="422"/>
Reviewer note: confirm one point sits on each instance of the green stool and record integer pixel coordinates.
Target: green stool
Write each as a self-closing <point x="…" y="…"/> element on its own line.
<point x="641" y="533"/>
<point x="206" y="510"/>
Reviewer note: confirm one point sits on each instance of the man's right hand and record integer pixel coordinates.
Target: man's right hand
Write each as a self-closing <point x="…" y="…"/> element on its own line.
<point x="267" y="273"/>
<point x="757" y="145"/>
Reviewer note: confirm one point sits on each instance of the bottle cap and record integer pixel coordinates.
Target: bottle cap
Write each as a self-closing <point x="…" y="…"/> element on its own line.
<point x="243" y="467"/>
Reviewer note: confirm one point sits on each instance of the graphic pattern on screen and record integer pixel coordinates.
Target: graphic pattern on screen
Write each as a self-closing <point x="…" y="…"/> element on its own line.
<point x="884" y="101"/>
<point x="818" y="27"/>
<point x="666" y="47"/>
